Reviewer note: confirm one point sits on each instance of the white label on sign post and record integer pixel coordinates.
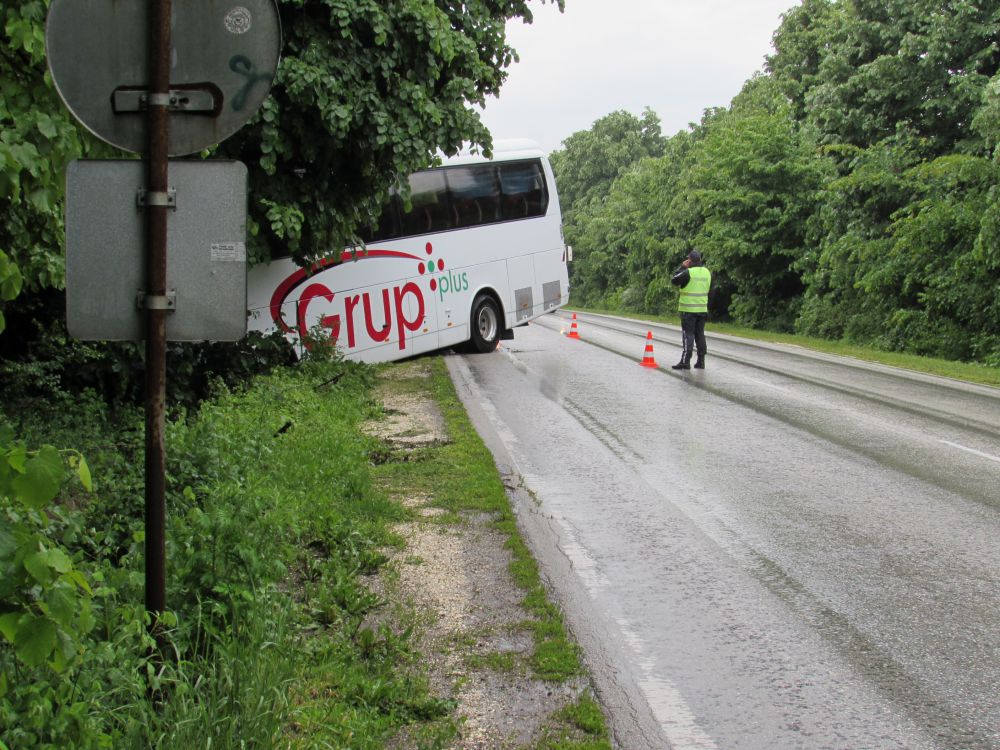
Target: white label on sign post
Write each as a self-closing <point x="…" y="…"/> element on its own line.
<point x="228" y="252"/>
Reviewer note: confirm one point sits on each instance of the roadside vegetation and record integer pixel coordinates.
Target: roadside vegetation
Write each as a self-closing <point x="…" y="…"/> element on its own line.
<point x="274" y="520"/>
<point x="452" y="484"/>
<point x="279" y="514"/>
<point x="849" y="192"/>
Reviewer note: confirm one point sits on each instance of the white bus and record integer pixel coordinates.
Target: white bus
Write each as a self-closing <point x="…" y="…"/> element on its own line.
<point x="479" y="253"/>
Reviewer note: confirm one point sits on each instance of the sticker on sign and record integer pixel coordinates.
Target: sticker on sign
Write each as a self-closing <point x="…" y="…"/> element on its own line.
<point x="228" y="252"/>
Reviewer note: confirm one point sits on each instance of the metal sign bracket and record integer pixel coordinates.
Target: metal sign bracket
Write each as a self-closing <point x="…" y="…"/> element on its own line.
<point x="168" y="199"/>
<point x="192" y="101"/>
<point x="166" y="302"/>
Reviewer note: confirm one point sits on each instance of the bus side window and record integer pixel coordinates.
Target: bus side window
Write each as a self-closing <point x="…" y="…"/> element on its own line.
<point x="474" y="194"/>
<point x="430" y="209"/>
<point x="468" y="212"/>
<point x="489" y="201"/>
<point x="388" y="224"/>
<point x="523" y="187"/>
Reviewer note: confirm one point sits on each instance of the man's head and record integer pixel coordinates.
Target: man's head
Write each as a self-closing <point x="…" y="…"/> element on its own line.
<point x="695" y="257"/>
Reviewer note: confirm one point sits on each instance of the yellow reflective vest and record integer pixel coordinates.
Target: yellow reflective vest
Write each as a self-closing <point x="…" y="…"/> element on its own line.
<point x="694" y="295"/>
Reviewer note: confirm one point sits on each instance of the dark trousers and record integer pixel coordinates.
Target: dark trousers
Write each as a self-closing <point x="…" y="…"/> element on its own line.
<point x="693" y="332"/>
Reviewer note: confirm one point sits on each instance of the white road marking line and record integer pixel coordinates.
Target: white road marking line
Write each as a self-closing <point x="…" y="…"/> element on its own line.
<point x="769" y="385"/>
<point x="972" y="450"/>
<point x="664" y="699"/>
<point x="581" y="560"/>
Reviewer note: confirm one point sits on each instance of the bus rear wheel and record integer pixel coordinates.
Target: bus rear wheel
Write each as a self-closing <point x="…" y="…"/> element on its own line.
<point x="485" y="324"/>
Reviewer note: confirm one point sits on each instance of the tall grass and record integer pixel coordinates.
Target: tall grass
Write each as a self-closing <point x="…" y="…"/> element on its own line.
<point x="239" y="694"/>
<point x="273" y="524"/>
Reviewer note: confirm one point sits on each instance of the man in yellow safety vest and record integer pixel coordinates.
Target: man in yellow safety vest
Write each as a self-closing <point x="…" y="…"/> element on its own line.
<point x="695" y="282"/>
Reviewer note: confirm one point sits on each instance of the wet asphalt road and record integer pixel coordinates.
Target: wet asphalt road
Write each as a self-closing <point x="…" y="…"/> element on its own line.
<point x="786" y="550"/>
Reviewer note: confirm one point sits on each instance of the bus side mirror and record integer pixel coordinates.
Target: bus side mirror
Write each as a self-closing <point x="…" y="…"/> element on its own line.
<point x="569" y="253"/>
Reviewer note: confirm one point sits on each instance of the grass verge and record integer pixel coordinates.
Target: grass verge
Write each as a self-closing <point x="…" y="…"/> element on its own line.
<point x="461" y="477"/>
<point x="458" y="478"/>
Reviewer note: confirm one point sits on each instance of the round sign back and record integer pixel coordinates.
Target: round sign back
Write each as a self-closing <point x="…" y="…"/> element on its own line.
<point x="224" y="54"/>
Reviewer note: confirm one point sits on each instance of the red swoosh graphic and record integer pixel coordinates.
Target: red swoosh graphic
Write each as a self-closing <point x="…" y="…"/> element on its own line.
<point x="301" y="275"/>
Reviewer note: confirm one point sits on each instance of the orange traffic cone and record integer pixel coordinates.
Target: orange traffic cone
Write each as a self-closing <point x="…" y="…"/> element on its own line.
<point x="647" y="357"/>
<point x="573" y="333"/>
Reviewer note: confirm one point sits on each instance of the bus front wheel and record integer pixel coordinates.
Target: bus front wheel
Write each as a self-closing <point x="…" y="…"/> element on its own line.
<point x="485" y="324"/>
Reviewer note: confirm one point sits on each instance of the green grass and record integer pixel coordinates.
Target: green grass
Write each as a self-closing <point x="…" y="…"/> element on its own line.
<point x="495" y="661"/>
<point x="274" y="525"/>
<point x="280" y="510"/>
<point x="967" y="371"/>
<point x="583" y="728"/>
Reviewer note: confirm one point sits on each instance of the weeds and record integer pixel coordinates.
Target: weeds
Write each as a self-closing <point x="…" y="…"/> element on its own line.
<point x="277" y="516"/>
<point x="271" y="532"/>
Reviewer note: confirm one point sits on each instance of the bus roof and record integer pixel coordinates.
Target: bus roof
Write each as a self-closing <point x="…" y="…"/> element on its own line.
<point x="504" y="150"/>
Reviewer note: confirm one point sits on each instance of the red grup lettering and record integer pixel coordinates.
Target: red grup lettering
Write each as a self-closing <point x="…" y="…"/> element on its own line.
<point x="383" y="334"/>
<point x="349" y="304"/>
<point x="405" y="324"/>
<point x="396" y="306"/>
<point x="331" y="322"/>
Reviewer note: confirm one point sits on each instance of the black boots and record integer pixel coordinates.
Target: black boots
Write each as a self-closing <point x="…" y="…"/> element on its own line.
<point x="685" y="363"/>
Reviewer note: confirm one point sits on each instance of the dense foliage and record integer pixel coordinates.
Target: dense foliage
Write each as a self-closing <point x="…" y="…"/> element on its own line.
<point x="270" y="534"/>
<point x="850" y="191"/>
<point x="365" y="93"/>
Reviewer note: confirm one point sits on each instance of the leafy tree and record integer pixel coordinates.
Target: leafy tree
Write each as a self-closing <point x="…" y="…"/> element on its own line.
<point x="634" y="238"/>
<point x="852" y="224"/>
<point x="10" y="284"/>
<point x="657" y="235"/>
<point x="987" y="124"/>
<point x="923" y="282"/>
<point x="987" y="119"/>
<point x="593" y="159"/>
<point x="944" y="295"/>
<point x="800" y="44"/>
<point x="598" y="259"/>
<point x="753" y="184"/>
<point x="850" y="192"/>
<point x="585" y="171"/>
<point x="901" y="69"/>
<point x="366" y="91"/>
<point x="892" y="87"/>
<point x="38" y="138"/>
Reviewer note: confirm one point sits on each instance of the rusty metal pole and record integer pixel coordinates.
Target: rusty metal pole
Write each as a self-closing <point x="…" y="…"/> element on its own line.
<point x="156" y="312"/>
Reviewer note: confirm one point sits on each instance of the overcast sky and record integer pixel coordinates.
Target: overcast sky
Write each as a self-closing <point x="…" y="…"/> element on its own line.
<point x="678" y="57"/>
